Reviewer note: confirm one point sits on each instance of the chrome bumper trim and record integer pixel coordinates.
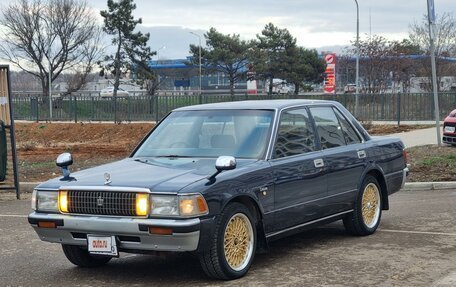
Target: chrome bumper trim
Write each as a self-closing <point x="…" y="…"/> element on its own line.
<point x="119" y="227"/>
<point x="405" y="173"/>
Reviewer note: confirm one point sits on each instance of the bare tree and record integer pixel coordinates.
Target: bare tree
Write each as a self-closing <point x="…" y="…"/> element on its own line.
<point x="39" y="36"/>
<point x="78" y="75"/>
<point x="445" y="45"/>
<point x="403" y="63"/>
<point x="374" y="63"/>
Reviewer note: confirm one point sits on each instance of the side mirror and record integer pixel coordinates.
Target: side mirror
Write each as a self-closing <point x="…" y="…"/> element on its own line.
<point x="223" y="163"/>
<point x="64" y="161"/>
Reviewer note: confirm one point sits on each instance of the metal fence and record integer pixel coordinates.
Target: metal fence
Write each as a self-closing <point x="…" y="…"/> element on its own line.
<point x="372" y="107"/>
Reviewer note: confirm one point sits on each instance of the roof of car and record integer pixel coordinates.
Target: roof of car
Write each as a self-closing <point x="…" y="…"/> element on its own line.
<point x="252" y="105"/>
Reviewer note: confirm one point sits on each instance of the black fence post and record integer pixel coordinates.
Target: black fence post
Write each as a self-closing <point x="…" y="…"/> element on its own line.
<point x="383" y="107"/>
<point x="398" y="109"/>
<point x="115" y="108"/>
<point x="156" y="109"/>
<point x="92" y="114"/>
<point x="128" y="109"/>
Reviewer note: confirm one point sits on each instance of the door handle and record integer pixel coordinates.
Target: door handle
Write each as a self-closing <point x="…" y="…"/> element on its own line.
<point x="361" y="154"/>
<point x="319" y="163"/>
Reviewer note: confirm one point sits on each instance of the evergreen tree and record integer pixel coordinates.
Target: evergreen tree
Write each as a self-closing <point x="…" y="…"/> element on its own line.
<point x="131" y="48"/>
<point x="224" y="53"/>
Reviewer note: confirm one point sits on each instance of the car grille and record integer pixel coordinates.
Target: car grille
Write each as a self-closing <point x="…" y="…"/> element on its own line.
<point x="450" y="124"/>
<point x="102" y="202"/>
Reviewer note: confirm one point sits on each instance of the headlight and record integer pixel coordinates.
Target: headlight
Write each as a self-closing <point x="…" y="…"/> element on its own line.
<point x="46" y="201"/>
<point x="164" y="205"/>
<point x="63" y="201"/>
<point x="178" y="205"/>
<point x="142" y="204"/>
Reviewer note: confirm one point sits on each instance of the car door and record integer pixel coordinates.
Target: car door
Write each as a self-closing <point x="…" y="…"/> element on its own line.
<point x="344" y="156"/>
<point x="298" y="170"/>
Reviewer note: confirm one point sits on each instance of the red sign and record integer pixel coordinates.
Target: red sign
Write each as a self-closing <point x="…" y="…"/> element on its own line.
<point x="329" y="85"/>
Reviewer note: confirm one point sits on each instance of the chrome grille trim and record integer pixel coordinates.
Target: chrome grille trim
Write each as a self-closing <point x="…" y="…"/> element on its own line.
<point x="102" y="202"/>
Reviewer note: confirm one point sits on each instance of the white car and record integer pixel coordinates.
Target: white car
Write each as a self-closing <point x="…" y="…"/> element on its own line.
<point x="109" y="91"/>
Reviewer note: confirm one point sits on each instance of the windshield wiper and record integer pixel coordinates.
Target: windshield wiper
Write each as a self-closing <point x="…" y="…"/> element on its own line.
<point x="141" y="160"/>
<point x="174" y="156"/>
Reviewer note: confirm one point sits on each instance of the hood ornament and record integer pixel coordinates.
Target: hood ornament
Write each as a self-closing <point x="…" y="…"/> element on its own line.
<point x="107" y="178"/>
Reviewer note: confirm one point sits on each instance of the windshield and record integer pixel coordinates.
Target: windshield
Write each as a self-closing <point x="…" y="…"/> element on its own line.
<point x="239" y="133"/>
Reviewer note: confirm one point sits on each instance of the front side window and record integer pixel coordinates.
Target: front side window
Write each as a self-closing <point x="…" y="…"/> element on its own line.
<point x="210" y="133"/>
<point x="328" y="127"/>
<point x="295" y="134"/>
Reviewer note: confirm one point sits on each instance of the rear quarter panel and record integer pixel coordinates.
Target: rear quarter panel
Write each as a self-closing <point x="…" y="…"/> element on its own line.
<point x="386" y="154"/>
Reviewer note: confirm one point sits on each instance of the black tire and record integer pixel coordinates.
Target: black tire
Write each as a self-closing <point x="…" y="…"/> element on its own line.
<point x="82" y="258"/>
<point x="213" y="260"/>
<point x="355" y="223"/>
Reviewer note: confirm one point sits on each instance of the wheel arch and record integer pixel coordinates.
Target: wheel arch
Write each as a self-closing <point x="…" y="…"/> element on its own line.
<point x="383" y="187"/>
<point x="256" y="210"/>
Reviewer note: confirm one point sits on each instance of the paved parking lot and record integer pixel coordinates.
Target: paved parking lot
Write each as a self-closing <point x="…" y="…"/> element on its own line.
<point x="416" y="246"/>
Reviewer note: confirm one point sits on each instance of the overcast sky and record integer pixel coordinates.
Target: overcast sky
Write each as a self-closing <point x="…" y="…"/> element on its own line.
<point x="326" y="25"/>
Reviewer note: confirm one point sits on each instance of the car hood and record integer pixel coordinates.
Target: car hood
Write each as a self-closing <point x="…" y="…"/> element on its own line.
<point x="156" y="174"/>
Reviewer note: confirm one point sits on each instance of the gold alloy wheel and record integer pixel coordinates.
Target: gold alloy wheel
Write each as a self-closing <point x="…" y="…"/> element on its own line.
<point x="238" y="241"/>
<point x="371" y="205"/>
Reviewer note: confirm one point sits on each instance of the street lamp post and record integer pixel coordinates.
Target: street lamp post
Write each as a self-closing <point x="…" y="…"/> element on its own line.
<point x="158" y="53"/>
<point x="357" y="62"/>
<point x="158" y="60"/>
<point x="199" y="51"/>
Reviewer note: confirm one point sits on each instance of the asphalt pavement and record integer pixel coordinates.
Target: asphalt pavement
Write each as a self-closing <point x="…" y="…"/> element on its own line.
<point x="415" y="246"/>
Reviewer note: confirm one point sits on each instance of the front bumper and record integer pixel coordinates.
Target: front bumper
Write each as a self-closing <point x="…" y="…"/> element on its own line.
<point x="132" y="234"/>
<point x="449" y="139"/>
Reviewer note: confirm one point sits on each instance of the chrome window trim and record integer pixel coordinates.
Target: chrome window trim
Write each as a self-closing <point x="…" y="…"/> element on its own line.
<point x="351" y="124"/>
<point x="276" y="126"/>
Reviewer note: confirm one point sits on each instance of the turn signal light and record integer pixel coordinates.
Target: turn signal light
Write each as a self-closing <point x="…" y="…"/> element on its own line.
<point x="63" y="201"/>
<point x="142" y="204"/>
<point x="46" y="224"/>
<point x="160" y="231"/>
<point x="191" y="205"/>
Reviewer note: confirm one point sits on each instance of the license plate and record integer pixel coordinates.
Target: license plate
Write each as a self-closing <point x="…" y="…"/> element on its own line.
<point x="449" y="129"/>
<point x="102" y="245"/>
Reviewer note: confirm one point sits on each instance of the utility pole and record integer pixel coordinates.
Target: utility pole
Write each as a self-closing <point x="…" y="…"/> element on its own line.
<point x="431" y="22"/>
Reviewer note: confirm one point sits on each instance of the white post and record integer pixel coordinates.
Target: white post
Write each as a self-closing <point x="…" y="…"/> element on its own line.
<point x="357" y="62"/>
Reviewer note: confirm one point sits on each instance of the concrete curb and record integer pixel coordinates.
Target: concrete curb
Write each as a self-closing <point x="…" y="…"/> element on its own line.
<point x="27" y="187"/>
<point x="438" y="185"/>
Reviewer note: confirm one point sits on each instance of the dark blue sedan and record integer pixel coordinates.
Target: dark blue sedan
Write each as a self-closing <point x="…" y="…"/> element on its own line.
<point x="223" y="180"/>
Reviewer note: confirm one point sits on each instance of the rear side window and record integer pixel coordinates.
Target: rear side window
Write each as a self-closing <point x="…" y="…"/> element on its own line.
<point x="350" y="135"/>
<point x="328" y="127"/>
<point x="295" y="134"/>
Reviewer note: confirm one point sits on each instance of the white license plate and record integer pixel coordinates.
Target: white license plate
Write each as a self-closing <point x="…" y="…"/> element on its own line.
<point x="449" y="129"/>
<point x="102" y="245"/>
